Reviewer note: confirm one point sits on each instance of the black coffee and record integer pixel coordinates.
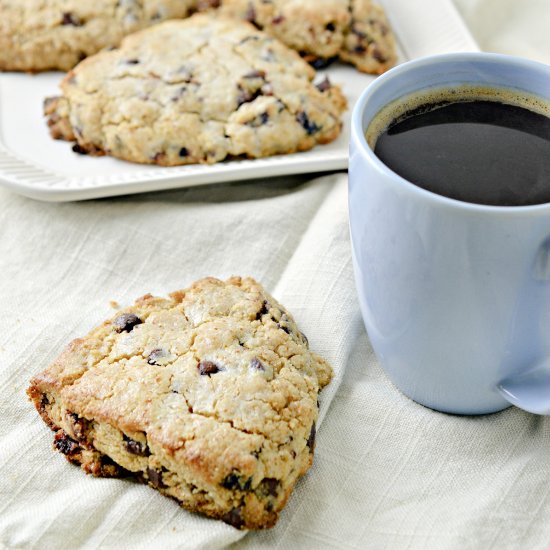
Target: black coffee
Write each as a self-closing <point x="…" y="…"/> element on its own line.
<point x="477" y="151"/>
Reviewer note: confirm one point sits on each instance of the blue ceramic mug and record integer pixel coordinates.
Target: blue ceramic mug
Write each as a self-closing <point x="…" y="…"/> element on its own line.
<point x="455" y="296"/>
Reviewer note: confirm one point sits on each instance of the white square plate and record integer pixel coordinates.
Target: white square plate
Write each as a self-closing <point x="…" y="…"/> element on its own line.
<point x="33" y="164"/>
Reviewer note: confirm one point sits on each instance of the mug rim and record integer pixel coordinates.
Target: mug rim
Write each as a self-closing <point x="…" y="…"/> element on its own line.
<point x="358" y="133"/>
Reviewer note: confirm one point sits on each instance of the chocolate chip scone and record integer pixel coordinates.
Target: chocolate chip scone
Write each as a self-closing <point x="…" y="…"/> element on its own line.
<point x="197" y="90"/>
<point x="356" y="31"/>
<point x="209" y="396"/>
<point x="37" y="36"/>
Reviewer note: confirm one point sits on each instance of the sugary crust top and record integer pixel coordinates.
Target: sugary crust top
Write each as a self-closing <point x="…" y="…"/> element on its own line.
<point x="217" y="376"/>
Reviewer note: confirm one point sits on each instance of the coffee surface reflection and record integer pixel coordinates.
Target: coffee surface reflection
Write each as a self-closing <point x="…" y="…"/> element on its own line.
<point x="478" y="150"/>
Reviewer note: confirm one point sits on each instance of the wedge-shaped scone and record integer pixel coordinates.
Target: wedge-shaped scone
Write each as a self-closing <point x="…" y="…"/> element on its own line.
<point x="38" y="35"/>
<point x="210" y="396"/>
<point x="197" y="90"/>
<point x="356" y="31"/>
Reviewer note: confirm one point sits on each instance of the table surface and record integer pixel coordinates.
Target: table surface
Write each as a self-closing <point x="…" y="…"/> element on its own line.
<point x="388" y="473"/>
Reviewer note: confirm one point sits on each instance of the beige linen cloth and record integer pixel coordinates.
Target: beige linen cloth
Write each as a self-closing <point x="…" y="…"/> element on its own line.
<point x="388" y="473"/>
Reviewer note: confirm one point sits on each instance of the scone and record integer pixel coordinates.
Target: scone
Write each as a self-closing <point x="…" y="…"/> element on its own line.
<point x="38" y="35"/>
<point x="209" y="396"/>
<point x="356" y="31"/>
<point x="197" y="90"/>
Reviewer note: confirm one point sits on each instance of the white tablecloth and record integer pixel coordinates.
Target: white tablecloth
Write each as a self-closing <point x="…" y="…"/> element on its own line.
<point x="387" y="473"/>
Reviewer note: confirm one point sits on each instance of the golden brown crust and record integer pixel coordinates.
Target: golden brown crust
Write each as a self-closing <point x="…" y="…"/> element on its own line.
<point x="199" y="90"/>
<point x="356" y="31"/>
<point x="210" y="396"/>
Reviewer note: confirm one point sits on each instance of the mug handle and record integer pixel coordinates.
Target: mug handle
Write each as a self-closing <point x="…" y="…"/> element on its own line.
<point x="529" y="390"/>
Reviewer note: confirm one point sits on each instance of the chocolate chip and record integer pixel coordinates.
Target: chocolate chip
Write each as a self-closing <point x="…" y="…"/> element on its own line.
<point x="311" y="439"/>
<point x="283" y="327"/>
<point x="135" y="447"/>
<point x="87" y="149"/>
<point x="245" y="96"/>
<point x="359" y="49"/>
<point x="107" y="461"/>
<point x="256" y="453"/>
<point x="77" y="148"/>
<point x="258" y="121"/>
<point x="263" y="310"/>
<point x="320" y="62"/>
<point x="278" y="19"/>
<point x="358" y="33"/>
<point x="330" y="27"/>
<point x="156" y="355"/>
<point x="255" y="74"/>
<point x="132" y="61"/>
<point x="184" y="152"/>
<point x="256" y="364"/>
<point x="310" y="127"/>
<point x="234" y="518"/>
<point x="235" y="481"/>
<point x="126" y="322"/>
<point x="64" y="444"/>
<point x="378" y="55"/>
<point x="324" y="85"/>
<point x="70" y="19"/>
<point x="44" y="401"/>
<point x="155" y="478"/>
<point x="268" y="487"/>
<point x="208" y="368"/>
